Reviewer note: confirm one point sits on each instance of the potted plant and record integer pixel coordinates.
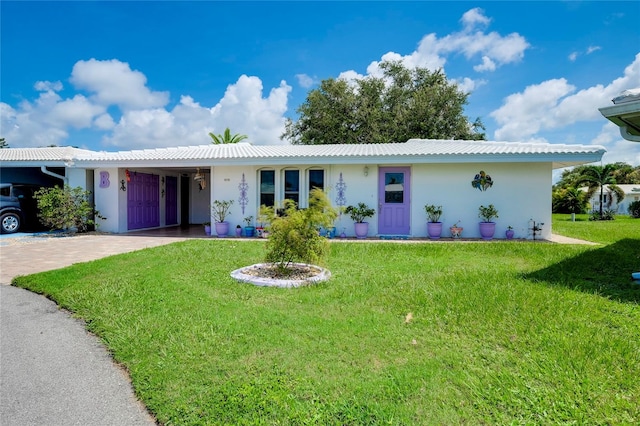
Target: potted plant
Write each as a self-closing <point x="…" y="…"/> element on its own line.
<point x="238" y="231"/>
<point x="219" y="211"/>
<point x="358" y="214"/>
<point x="456" y="230"/>
<point x="509" y="233"/>
<point x="207" y="228"/>
<point x="434" y="226"/>
<point x="249" y="229"/>
<point x="487" y="226"/>
<point x="265" y="217"/>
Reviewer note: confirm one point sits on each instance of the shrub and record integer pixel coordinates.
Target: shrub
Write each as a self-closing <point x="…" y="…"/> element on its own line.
<point x="634" y="209"/>
<point x="294" y="236"/>
<point x="606" y="215"/>
<point x="66" y="208"/>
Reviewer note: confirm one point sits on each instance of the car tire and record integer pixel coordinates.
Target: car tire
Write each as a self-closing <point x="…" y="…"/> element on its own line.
<point x="9" y="223"/>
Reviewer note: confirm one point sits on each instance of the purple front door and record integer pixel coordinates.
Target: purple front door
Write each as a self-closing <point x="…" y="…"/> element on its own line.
<point x="171" y="201"/>
<point x="394" y="203"/>
<point x="143" y="203"/>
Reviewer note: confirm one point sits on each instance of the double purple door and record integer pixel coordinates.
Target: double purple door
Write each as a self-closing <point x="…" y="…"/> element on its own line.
<point x="143" y="201"/>
<point x="394" y="202"/>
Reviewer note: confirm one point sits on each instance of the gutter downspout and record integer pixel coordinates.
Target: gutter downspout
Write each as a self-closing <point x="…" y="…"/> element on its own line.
<point x="44" y="170"/>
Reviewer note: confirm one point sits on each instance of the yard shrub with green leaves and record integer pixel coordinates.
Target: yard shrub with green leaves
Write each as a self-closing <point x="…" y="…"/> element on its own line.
<point x="404" y="334"/>
<point x="66" y="208"/>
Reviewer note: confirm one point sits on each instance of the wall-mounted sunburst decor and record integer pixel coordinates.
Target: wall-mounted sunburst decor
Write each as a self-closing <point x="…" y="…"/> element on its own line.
<point x="482" y="181"/>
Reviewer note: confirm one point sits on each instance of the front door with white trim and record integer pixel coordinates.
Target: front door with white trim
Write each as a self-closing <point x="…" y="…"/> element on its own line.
<point x="394" y="203"/>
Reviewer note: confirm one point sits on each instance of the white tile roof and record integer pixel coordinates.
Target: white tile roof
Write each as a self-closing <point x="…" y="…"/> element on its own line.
<point x="414" y="150"/>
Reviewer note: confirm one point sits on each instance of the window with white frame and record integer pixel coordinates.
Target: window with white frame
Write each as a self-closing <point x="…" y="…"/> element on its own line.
<point x="316" y="179"/>
<point x="292" y="185"/>
<point x="268" y="187"/>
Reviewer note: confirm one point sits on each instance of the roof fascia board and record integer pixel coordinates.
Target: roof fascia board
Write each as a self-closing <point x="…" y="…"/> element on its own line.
<point x="554" y="158"/>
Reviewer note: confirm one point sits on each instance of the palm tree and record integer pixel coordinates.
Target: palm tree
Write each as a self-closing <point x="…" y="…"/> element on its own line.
<point x="226" y="137"/>
<point x="3" y="143"/>
<point x="596" y="177"/>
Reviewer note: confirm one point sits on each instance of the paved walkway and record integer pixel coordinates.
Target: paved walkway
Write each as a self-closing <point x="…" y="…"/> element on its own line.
<point x="52" y="372"/>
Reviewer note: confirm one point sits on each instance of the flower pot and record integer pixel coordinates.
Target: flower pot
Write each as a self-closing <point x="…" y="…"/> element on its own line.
<point x="487" y="229"/>
<point x="434" y="230"/>
<point x="259" y="231"/>
<point x="331" y="232"/>
<point x="249" y="231"/>
<point x="238" y="232"/>
<point x="222" y="229"/>
<point x="509" y="234"/>
<point x="207" y="229"/>
<point x="361" y="229"/>
<point x="456" y="231"/>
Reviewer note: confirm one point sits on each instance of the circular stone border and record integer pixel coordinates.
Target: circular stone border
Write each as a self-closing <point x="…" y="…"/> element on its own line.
<point x="241" y="275"/>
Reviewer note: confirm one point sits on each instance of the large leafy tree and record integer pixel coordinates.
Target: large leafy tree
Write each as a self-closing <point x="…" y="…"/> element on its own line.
<point x="226" y="137"/>
<point x="401" y="104"/>
<point x="596" y="177"/>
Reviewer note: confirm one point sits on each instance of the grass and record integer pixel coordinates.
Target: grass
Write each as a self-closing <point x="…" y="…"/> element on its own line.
<point x="430" y="333"/>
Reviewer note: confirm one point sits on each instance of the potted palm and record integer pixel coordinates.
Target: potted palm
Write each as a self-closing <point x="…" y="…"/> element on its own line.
<point x="434" y="226"/>
<point x="219" y="212"/>
<point x="487" y="225"/>
<point x="358" y="214"/>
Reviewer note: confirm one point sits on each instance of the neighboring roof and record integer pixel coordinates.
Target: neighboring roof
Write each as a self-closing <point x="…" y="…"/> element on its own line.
<point x="626" y="114"/>
<point x="49" y="156"/>
<point x="412" y="151"/>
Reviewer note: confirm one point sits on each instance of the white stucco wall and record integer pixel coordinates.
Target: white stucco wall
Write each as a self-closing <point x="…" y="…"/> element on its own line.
<point x="521" y="191"/>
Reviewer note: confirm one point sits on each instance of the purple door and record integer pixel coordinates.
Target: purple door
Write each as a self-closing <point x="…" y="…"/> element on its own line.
<point x="171" y="200"/>
<point x="143" y="203"/>
<point x="394" y="203"/>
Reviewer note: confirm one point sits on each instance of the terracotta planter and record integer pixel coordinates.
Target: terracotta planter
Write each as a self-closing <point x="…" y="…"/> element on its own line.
<point x="222" y="229"/>
<point x="434" y="230"/>
<point x="456" y="231"/>
<point x="361" y="229"/>
<point x="487" y="229"/>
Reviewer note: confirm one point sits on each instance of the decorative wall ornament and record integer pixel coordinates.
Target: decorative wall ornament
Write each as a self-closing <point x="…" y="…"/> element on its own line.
<point x="104" y="180"/>
<point x="482" y="181"/>
<point x="341" y="188"/>
<point x="244" y="189"/>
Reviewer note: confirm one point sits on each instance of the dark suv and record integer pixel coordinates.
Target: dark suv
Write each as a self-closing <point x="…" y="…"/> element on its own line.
<point x="18" y="208"/>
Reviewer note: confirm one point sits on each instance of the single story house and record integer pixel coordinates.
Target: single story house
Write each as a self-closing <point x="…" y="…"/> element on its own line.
<point x="153" y="188"/>
<point x="609" y="202"/>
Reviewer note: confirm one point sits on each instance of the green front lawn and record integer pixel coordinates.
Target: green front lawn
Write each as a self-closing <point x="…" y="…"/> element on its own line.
<point x="428" y="333"/>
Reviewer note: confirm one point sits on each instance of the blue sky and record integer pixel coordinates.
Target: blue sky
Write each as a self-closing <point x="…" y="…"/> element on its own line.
<point x="132" y="75"/>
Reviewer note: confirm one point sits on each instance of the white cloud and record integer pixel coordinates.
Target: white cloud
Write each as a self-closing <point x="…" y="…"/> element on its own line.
<point x="305" y="80"/>
<point x="493" y="49"/>
<point x="48" y="86"/>
<point x="553" y="104"/>
<point x="114" y="83"/>
<point x="242" y="109"/>
<point x="592" y="49"/>
<point x="474" y="17"/>
<point x="487" y="65"/>
<point x="573" y="56"/>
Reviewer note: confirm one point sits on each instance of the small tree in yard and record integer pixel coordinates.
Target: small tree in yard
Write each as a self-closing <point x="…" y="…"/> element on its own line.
<point x="294" y="236"/>
<point x="66" y="208"/>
